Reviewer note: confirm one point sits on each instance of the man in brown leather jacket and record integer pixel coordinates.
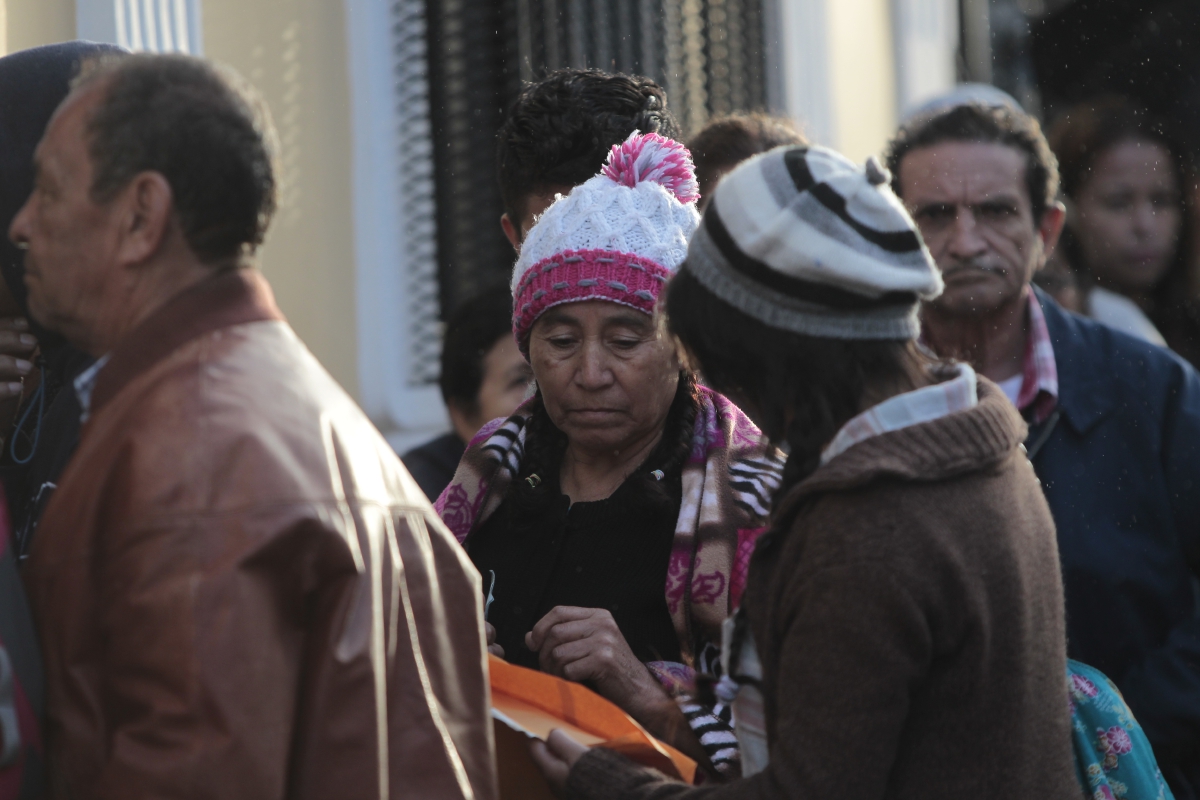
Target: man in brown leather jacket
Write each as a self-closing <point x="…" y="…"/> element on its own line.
<point x="240" y="591"/>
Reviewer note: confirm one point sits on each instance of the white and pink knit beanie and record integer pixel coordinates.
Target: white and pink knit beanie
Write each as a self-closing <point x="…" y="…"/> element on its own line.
<point x="618" y="237"/>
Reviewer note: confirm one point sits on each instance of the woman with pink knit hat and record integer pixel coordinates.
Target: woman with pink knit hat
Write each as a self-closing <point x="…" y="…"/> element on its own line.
<point x="613" y="515"/>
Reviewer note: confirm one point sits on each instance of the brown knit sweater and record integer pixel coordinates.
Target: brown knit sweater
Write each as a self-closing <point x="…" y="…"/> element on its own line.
<point x="910" y="626"/>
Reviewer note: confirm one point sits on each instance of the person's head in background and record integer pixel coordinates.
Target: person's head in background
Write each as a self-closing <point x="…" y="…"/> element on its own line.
<point x="484" y="375"/>
<point x="559" y="132"/>
<point x="981" y="183"/>
<point x="727" y="141"/>
<point x="1129" y="189"/>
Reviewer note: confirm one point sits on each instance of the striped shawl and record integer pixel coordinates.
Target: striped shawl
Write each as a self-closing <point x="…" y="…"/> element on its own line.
<point x="728" y="482"/>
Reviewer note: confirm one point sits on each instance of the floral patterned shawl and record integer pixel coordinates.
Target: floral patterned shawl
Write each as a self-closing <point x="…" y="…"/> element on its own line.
<point x="728" y="482"/>
<point x="1112" y="754"/>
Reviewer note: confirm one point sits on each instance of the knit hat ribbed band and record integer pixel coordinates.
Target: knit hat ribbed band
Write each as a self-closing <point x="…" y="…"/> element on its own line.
<point x="618" y="237"/>
<point x="802" y="239"/>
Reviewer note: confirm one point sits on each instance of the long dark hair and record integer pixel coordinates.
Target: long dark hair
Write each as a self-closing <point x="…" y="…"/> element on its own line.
<point x="801" y="389"/>
<point x="1081" y="136"/>
<point x="545" y="445"/>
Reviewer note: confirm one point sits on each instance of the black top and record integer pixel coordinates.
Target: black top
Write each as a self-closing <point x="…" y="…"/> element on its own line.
<point x="45" y="443"/>
<point x="432" y="465"/>
<point x="611" y="553"/>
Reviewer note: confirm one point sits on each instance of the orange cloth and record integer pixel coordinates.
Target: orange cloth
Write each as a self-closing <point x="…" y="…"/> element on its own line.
<point x="539" y="703"/>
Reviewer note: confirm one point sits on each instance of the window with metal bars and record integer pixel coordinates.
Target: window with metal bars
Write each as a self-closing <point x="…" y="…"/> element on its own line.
<point x="708" y="54"/>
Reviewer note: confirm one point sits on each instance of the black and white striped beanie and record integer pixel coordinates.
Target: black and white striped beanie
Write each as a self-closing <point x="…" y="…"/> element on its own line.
<point x="804" y="240"/>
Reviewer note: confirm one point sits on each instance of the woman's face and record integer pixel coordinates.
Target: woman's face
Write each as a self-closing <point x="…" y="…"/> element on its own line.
<point x="606" y="375"/>
<point x="1129" y="214"/>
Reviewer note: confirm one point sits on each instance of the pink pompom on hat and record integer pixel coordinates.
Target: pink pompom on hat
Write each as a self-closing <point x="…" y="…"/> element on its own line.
<point x="618" y="237"/>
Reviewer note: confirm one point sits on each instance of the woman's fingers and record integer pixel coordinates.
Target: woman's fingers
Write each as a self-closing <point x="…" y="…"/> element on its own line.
<point x="553" y="767"/>
<point x="563" y="746"/>
<point x="489" y="631"/>
<point x="556" y="615"/>
<point x="16" y="342"/>
<point x="556" y="659"/>
<point x="565" y="632"/>
<point x="13" y="368"/>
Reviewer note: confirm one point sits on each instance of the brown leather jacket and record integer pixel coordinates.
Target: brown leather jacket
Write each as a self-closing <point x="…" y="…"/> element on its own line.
<point x="240" y="591"/>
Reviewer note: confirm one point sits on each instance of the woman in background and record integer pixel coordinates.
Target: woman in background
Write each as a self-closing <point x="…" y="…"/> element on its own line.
<point x="1129" y="227"/>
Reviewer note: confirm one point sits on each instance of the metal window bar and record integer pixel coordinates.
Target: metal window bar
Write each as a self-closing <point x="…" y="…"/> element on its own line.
<point x="416" y="183"/>
<point x="708" y="54"/>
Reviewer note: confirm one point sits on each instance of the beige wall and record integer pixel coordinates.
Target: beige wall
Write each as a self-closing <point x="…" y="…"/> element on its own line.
<point x="294" y="51"/>
<point x="863" y="75"/>
<point x="30" y="23"/>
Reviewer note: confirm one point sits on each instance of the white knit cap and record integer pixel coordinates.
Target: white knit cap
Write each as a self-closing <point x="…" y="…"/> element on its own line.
<point x="617" y="237"/>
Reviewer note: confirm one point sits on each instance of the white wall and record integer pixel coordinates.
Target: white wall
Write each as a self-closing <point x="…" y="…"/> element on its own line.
<point x="847" y="69"/>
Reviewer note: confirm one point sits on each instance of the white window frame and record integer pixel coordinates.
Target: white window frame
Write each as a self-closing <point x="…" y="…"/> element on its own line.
<point x="926" y="36"/>
<point x="394" y="237"/>
<point x="799" y="71"/>
<point x="157" y="26"/>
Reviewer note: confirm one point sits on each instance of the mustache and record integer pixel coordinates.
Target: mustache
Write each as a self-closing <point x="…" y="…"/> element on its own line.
<point x="959" y="265"/>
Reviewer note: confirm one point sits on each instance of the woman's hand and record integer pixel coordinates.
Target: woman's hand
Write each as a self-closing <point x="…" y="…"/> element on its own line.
<point x="489" y="631"/>
<point x="584" y="644"/>
<point x="555" y="757"/>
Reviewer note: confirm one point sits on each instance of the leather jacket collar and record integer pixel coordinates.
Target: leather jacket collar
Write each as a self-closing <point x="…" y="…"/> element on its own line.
<point x="228" y="298"/>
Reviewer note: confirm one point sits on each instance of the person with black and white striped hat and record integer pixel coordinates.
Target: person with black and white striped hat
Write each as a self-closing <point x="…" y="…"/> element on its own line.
<point x="901" y="634"/>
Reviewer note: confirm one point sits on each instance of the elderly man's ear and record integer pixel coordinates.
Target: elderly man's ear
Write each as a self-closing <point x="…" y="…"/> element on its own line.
<point x="1051" y="227"/>
<point x="147" y="216"/>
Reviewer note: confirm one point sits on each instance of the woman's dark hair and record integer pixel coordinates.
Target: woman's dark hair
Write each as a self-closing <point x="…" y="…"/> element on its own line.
<point x="729" y="140"/>
<point x="1079" y="138"/>
<point x="559" y="130"/>
<point x="545" y="445"/>
<point x="472" y="331"/>
<point x="802" y="389"/>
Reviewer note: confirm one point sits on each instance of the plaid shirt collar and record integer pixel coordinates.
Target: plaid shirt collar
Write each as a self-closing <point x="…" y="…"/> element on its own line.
<point x="1039" y="377"/>
<point x="910" y="408"/>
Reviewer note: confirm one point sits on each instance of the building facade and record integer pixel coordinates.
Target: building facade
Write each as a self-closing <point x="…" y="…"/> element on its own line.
<point x="387" y="111"/>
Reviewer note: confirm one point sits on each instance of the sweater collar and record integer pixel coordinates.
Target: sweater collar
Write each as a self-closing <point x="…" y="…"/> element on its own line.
<point x="228" y="298"/>
<point x="935" y="450"/>
<point x="957" y="392"/>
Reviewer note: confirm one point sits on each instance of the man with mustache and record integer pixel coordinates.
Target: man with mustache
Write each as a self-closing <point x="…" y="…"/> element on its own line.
<point x="1114" y="422"/>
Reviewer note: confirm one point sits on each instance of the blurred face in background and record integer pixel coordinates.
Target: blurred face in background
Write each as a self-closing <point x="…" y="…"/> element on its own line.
<point x="1128" y="216"/>
<point x="506" y="377"/>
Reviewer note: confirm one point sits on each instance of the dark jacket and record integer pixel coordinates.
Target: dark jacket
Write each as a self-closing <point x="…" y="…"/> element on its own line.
<point x="239" y="590"/>
<point x="432" y="464"/>
<point x="907" y="609"/>
<point x="1120" y="465"/>
<point x="32" y="84"/>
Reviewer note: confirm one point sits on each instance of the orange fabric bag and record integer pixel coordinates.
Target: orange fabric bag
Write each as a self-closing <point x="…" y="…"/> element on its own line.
<point x="527" y="703"/>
